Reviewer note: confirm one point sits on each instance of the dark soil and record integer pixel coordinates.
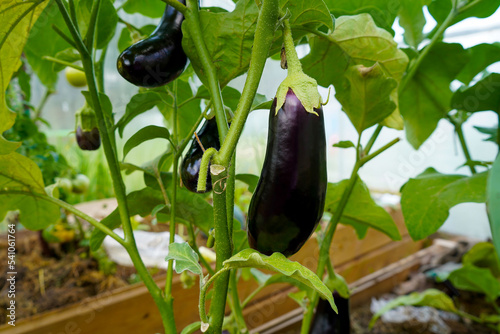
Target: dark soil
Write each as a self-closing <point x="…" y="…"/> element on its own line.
<point x="44" y="283"/>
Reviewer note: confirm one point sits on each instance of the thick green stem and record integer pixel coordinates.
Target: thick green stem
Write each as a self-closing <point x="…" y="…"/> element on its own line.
<point x="99" y="69"/>
<point x="230" y="185"/>
<point x="223" y="247"/>
<point x="165" y="306"/>
<point x="264" y="34"/>
<point x="292" y="59"/>
<point x="193" y="21"/>
<point x="202" y="174"/>
<point x="203" y="294"/>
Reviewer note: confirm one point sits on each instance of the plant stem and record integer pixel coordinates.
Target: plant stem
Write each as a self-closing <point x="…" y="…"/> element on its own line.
<point x="177" y="5"/>
<point x="42" y="103"/>
<point x="373" y="138"/>
<point x="197" y="250"/>
<point x="165" y="306"/>
<point x="193" y="21"/>
<point x="264" y="34"/>
<point x="223" y="247"/>
<point x="99" y="69"/>
<point x="63" y="62"/>
<point x="237" y="310"/>
<point x="465" y="149"/>
<point x="203" y="293"/>
<point x="292" y="59"/>
<point x="187" y="139"/>
<point x="230" y="185"/>
<point x="173" y="199"/>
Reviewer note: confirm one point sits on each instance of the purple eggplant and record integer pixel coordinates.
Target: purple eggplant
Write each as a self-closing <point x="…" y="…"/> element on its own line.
<point x="326" y="321"/>
<point x="290" y="195"/>
<point x="88" y="140"/>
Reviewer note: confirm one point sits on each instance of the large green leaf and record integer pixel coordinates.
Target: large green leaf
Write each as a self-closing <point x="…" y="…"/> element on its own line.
<point x="21" y="180"/>
<point x="17" y="17"/>
<point x="151" y="8"/>
<point x="431" y="297"/>
<point x="383" y="12"/>
<point x="147" y="133"/>
<point x="229" y="35"/>
<point x="412" y="19"/>
<point x="427" y="199"/>
<point x="483" y="96"/>
<point x="371" y="215"/>
<point x="44" y="41"/>
<point x="355" y="41"/>
<point x="440" y="9"/>
<point x="493" y="203"/>
<point x="279" y="263"/>
<point x="185" y="258"/>
<point x="482" y="56"/>
<point x="475" y="279"/>
<point x="106" y="21"/>
<point x="365" y="95"/>
<point x="426" y="97"/>
<point x="137" y="105"/>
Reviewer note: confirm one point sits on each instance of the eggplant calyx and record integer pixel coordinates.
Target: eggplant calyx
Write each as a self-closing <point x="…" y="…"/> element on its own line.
<point x="304" y="87"/>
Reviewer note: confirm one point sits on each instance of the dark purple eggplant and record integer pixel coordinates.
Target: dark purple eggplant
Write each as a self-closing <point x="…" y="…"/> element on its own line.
<point x="158" y="59"/>
<point x="290" y="195"/>
<point x="326" y="321"/>
<point x="190" y="165"/>
<point x="88" y="140"/>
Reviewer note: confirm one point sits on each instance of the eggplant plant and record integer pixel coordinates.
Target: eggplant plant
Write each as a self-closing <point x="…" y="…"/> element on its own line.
<point x="185" y="67"/>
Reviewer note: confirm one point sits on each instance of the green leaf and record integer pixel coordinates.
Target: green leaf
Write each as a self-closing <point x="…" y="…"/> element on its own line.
<point x="412" y="19"/>
<point x="483" y="255"/>
<point x="137" y="105"/>
<point x="69" y="55"/>
<point x="18" y="18"/>
<point x="493" y="203"/>
<point x="482" y="56"/>
<point x="426" y="97"/>
<point x="229" y="35"/>
<point x="372" y="215"/>
<point x="483" y="96"/>
<point x="38" y="44"/>
<point x="427" y="199"/>
<point x="344" y="144"/>
<point x="185" y="258"/>
<point x="150" y="8"/>
<point x="140" y="202"/>
<point x="194" y="209"/>
<point x="250" y="179"/>
<point x="21" y="175"/>
<point x="355" y="41"/>
<point x="338" y="283"/>
<point x="106" y="21"/>
<point x="431" y="297"/>
<point x="230" y="96"/>
<point x="383" y="12"/>
<point x="365" y="95"/>
<point x="440" y="9"/>
<point x="279" y="263"/>
<point x="472" y="278"/>
<point x="491" y="131"/>
<point x="145" y="134"/>
<point x="191" y="328"/>
<point x="300" y="297"/>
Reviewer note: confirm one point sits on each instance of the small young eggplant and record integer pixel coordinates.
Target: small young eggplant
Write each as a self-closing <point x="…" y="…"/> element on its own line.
<point x="290" y="195"/>
<point x="87" y="133"/>
<point x="158" y="59"/>
<point x="190" y="165"/>
<point x="326" y="321"/>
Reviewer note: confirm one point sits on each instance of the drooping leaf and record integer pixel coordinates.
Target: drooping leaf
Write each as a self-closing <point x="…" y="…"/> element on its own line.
<point x="185" y="258"/>
<point x="372" y="215"/>
<point x="482" y="56"/>
<point x="431" y="297"/>
<point x="426" y="97"/>
<point x="137" y="105"/>
<point x="365" y="95"/>
<point x="493" y="203"/>
<point x="279" y="263"/>
<point x="484" y="95"/>
<point x="427" y="199"/>
<point x="475" y="279"/>
<point x="147" y="133"/>
<point x="20" y="181"/>
<point x="483" y="255"/>
<point x="412" y="19"/>
<point x="356" y="41"/>
<point x="492" y="132"/>
<point x="18" y="18"/>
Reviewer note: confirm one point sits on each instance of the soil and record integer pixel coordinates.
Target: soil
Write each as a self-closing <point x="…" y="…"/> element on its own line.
<point x="48" y="282"/>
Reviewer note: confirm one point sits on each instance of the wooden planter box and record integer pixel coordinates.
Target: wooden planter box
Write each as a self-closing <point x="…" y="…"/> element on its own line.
<point x="132" y="310"/>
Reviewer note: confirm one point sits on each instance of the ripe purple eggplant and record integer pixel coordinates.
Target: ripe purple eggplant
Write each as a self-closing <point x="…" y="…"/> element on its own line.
<point x="158" y="59"/>
<point x="326" y="321"/>
<point x="290" y="195"/>
<point x="190" y="165"/>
